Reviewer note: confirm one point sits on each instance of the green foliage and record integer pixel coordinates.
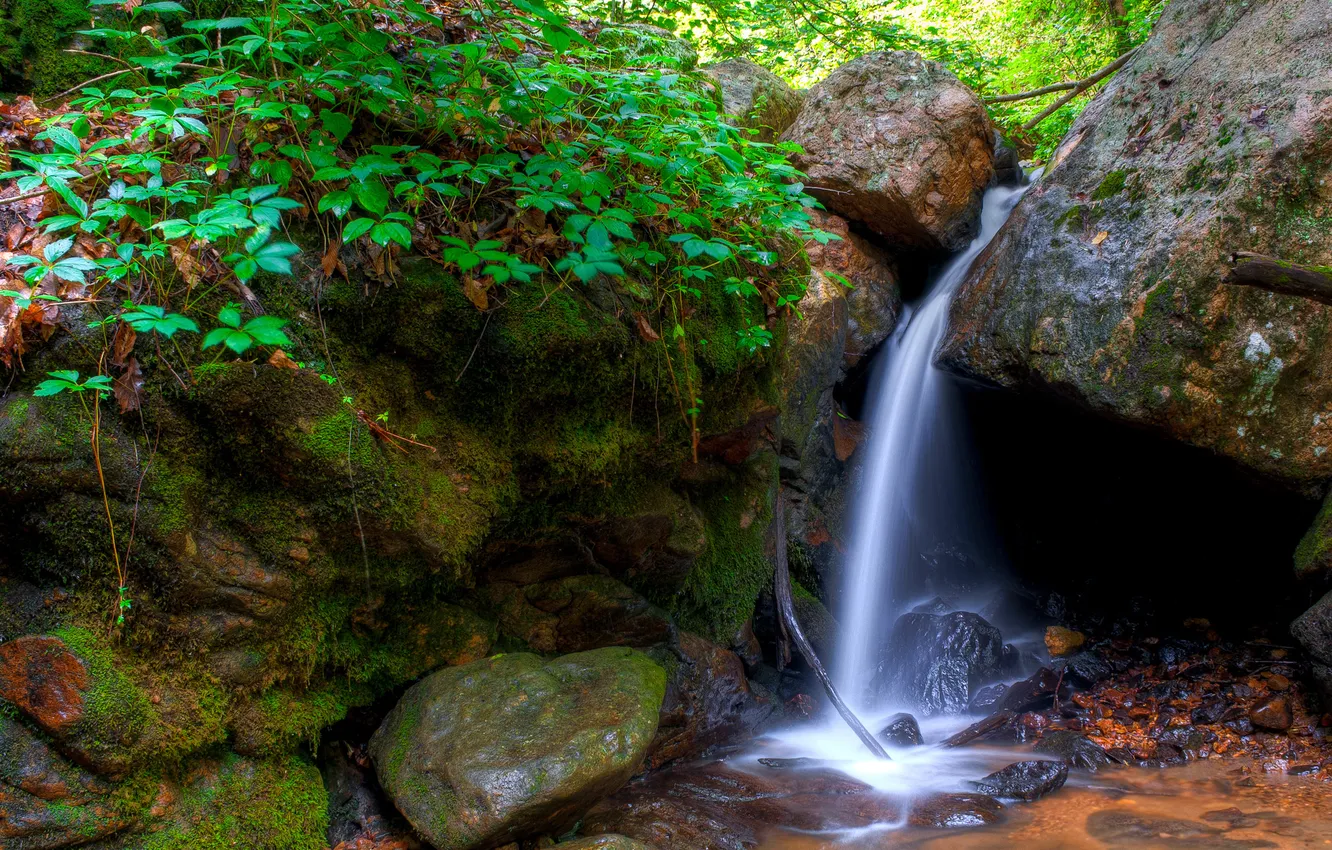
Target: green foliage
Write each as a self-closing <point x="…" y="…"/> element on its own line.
<point x="261" y="330"/>
<point x="996" y="47"/>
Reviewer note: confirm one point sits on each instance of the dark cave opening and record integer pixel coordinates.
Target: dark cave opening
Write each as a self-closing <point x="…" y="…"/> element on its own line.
<point x="1133" y="532"/>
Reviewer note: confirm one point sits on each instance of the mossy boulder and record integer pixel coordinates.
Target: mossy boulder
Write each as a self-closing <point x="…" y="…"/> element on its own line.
<point x="637" y="44"/>
<point x="757" y="98"/>
<point x="515" y="747"/>
<point x="33" y="38"/>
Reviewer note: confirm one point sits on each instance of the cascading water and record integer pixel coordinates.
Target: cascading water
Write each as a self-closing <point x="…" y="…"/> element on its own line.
<point x="913" y="494"/>
<point x="914" y="482"/>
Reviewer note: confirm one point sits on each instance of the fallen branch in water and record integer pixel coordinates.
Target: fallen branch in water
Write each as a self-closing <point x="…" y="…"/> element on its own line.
<point x="791" y="628"/>
<point x="993" y="723"/>
<point x="1079" y="87"/>
<point x="1279" y="276"/>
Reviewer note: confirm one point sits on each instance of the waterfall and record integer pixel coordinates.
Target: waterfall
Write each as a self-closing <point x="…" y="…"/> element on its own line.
<point x="914" y="480"/>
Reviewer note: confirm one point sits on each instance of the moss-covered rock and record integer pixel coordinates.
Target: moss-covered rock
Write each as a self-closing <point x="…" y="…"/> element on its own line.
<point x="33" y="38"/>
<point x="637" y="44"/>
<point x="515" y="747"/>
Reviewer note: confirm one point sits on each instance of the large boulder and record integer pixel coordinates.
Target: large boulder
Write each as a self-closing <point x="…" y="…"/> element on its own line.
<point x="1106" y="285"/>
<point x="514" y="747"/>
<point x="934" y="663"/>
<point x="759" y="99"/>
<point x="895" y="141"/>
<point x="1313" y="630"/>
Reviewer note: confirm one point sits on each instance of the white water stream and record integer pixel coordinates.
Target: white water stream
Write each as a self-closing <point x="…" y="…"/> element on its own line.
<point x="909" y="500"/>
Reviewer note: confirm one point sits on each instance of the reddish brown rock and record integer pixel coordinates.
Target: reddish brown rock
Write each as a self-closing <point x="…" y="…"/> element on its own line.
<point x="1060" y="641"/>
<point x="874" y="298"/>
<point x="896" y="142"/>
<point x="950" y="811"/>
<point x="708" y="703"/>
<point x="718" y="807"/>
<point x="44" y="679"/>
<point x="1272" y="714"/>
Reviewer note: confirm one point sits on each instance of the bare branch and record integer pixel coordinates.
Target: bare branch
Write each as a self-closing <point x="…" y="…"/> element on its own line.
<point x="1280" y="276"/>
<point x="786" y="608"/>
<point x="1081" y="86"/>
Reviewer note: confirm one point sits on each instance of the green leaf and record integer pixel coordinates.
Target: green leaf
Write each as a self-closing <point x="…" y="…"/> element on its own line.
<point x="230" y="316"/>
<point x="336" y="123"/>
<point x="356" y="228"/>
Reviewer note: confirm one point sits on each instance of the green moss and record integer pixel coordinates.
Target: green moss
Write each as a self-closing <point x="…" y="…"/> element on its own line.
<point x="116" y="712"/>
<point x="278" y="721"/>
<point x="721" y="590"/>
<point x="33" y="35"/>
<point x="277" y="804"/>
<point x="1112" y="185"/>
<point x="1313" y="555"/>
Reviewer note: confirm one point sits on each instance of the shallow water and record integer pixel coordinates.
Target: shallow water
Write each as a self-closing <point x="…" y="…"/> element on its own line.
<point x="1225" y="804"/>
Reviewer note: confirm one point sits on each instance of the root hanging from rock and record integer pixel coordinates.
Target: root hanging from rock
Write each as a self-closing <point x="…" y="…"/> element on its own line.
<point x="791" y="630"/>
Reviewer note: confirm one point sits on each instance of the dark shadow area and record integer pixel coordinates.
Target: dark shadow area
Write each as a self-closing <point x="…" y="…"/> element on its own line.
<point x="1128" y="531"/>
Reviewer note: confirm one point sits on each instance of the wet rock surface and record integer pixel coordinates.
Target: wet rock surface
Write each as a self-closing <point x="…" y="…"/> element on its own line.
<point x="515" y="747"/>
<point x="896" y="142"/>
<point x="1025" y="780"/>
<point x="955" y="811"/>
<point x="935" y="663"/>
<point x="902" y="730"/>
<point x="718" y="807"/>
<point x="1107" y="281"/>
<point x="708" y="702"/>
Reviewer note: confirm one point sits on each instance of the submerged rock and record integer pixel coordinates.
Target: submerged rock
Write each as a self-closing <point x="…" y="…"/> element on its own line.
<point x="1075" y="749"/>
<point x="1025" y="780"/>
<point x="896" y="142"/>
<point x="954" y="811"/>
<point x="1106" y="283"/>
<point x="716" y="807"/>
<point x="902" y="730"/>
<point x="603" y="842"/>
<point x="514" y="747"/>
<point x="759" y="99"/>
<point x="935" y="663"/>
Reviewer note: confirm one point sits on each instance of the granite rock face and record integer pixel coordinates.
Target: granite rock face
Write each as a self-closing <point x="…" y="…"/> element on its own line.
<point x="1106" y="285"/>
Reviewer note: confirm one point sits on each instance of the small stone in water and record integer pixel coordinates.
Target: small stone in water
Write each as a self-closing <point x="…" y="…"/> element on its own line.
<point x="1273" y="714"/>
<point x="1026" y="780"/>
<point x="902" y="730"/>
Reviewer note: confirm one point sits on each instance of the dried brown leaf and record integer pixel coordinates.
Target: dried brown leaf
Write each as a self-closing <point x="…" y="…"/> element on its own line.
<point x="645" y="329"/>
<point x="282" y="361"/>
<point x="1101" y="237"/>
<point x="476" y="293"/>
<point x="128" y="388"/>
<point x="191" y="270"/>
<point x="122" y="344"/>
<point x="330" y="263"/>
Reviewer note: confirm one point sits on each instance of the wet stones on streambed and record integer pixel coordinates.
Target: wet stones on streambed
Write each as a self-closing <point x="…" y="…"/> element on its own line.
<point x="935" y="663"/>
<point x="902" y="730"/>
<point x="1025" y="780"/>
